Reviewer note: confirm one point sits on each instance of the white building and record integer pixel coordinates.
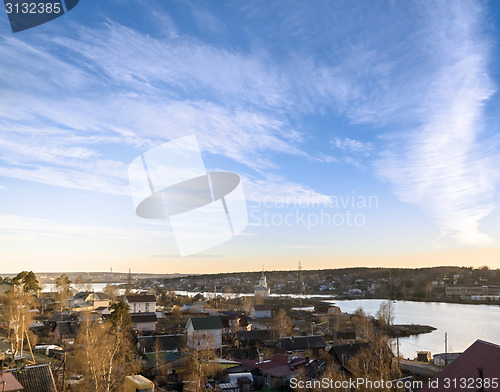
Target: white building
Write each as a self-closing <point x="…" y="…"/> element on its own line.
<point x="261" y="311"/>
<point x="141" y="303"/>
<point x="261" y="288"/>
<point x="144" y="321"/>
<point x="88" y="300"/>
<point x="204" y="332"/>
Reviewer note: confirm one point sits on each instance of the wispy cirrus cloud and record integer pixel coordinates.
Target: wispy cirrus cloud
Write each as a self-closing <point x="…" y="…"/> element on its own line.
<point x="442" y="164"/>
<point x="139" y="106"/>
<point x="24" y="227"/>
<point x="96" y="98"/>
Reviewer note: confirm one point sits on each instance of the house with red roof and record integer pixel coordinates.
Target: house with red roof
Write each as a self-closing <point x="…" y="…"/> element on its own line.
<point x="273" y="373"/>
<point x="476" y="369"/>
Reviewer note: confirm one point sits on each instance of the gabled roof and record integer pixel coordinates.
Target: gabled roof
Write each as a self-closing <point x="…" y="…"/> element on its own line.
<point x="262" y="308"/>
<point x="480" y="354"/>
<point x="254" y="336"/>
<point x="278" y="366"/>
<point x="344" y="352"/>
<point x="141" y="298"/>
<point x="301" y="343"/>
<point x="277" y="360"/>
<point x="35" y="378"/>
<point x="82" y="295"/>
<point x="64" y="316"/>
<point x="67" y="328"/>
<point x="151" y="344"/>
<point x="9" y="383"/>
<point x="152" y="360"/>
<point x="203" y="323"/>
<point x="148" y="317"/>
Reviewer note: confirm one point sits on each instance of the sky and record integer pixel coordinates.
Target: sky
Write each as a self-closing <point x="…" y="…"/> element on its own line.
<point x="365" y="133"/>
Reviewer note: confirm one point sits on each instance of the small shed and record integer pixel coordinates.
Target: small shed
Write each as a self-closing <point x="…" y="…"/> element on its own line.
<point x="138" y="383"/>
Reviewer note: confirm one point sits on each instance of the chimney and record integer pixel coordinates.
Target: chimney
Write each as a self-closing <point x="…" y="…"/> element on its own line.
<point x="480" y="376"/>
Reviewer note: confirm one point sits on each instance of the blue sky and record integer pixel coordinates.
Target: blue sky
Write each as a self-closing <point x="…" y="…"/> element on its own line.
<point x="312" y="102"/>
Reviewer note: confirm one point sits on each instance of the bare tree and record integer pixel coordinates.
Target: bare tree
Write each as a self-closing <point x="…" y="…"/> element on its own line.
<point x="200" y="366"/>
<point x="17" y="306"/>
<point x="374" y="363"/>
<point x="79" y="284"/>
<point x="63" y="286"/>
<point x="104" y="355"/>
<point x="282" y="323"/>
<point x="385" y="313"/>
<point x="111" y="291"/>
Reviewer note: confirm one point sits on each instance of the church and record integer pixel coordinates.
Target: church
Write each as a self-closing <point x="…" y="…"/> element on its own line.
<point x="261" y="288"/>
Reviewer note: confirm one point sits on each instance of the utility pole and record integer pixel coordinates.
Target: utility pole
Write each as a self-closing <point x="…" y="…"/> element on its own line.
<point x="446" y="348"/>
<point x="64" y="371"/>
<point x="215" y="296"/>
<point x="301" y="285"/>
<point x="129" y="282"/>
<point x="397" y="340"/>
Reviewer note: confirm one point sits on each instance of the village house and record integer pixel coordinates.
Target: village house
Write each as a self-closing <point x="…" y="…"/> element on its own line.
<point x="88" y="300"/>
<point x="37" y="378"/>
<point x="144" y="321"/>
<point x="261" y="311"/>
<point x="345" y="336"/>
<point x="481" y="361"/>
<point x="64" y="332"/>
<point x="254" y="338"/>
<point x="274" y="373"/>
<point x="204" y="332"/>
<point x="306" y="346"/>
<point x="160" y="343"/>
<point x="141" y="303"/>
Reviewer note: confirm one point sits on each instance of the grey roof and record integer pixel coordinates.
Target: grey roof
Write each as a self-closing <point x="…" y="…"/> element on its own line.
<point x="260" y="308"/>
<point x="64" y="316"/>
<point x="202" y="323"/>
<point x="67" y="328"/>
<point x="301" y="343"/>
<point x="342" y="353"/>
<point x="35" y="378"/>
<point x="84" y="294"/>
<point x="141" y="298"/>
<point x="143" y="317"/>
<point x="254" y="336"/>
<point x="150" y="344"/>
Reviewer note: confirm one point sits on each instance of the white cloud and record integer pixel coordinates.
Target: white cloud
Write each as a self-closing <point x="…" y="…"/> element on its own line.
<point x="442" y="165"/>
<point x="351" y="145"/>
<point x="128" y="91"/>
<point x="22" y="227"/>
<point x="276" y="189"/>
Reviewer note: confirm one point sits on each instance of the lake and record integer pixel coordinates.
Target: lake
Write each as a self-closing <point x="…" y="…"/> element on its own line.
<point x="463" y="323"/>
